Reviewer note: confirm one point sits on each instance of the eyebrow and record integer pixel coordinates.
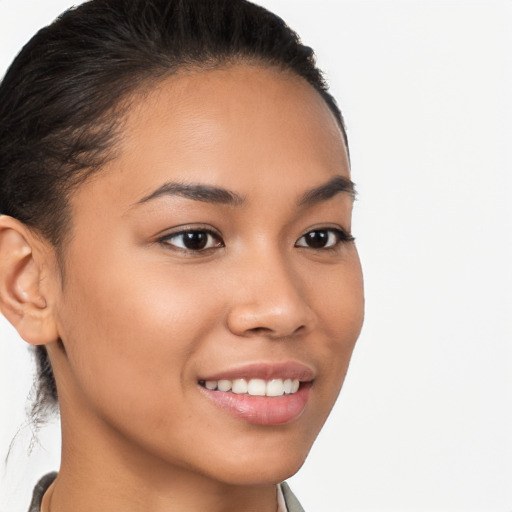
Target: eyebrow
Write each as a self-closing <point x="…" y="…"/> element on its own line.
<point x="336" y="185"/>
<point x="196" y="192"/>
<point x="218" y="195"/>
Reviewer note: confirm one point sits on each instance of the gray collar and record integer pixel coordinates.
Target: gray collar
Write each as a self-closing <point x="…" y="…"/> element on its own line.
<point x="39" y="490"/>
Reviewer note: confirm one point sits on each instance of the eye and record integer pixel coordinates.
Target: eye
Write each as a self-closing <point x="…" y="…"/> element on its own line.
<point x="193" y="240"/>
<point x="323" y="238"/>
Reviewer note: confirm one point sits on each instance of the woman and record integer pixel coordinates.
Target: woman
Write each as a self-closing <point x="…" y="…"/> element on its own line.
<point x="175" y="242"/>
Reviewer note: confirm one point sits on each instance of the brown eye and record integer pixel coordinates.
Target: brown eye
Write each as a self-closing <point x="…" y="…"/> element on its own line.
<point x="316" y="239"/>
<point x="193" y="240"/>
<point x="323" y="238"/>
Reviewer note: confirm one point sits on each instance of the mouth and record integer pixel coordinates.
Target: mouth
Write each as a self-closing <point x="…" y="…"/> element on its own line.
<point x="261" y="394"/>
<point x="253" y="387"/>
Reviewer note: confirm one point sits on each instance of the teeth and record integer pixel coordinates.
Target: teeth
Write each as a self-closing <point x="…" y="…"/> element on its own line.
<point x="255" y="387"/>
<point x="224" y="385"/>
<point x="275" y="387"/>
<point x="239" y="386"/>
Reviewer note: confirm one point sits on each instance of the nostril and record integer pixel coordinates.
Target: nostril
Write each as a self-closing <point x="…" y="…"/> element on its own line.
<point x="274" y="333"/>
<point x="260" y="331"/>
<point x="271" y="318"/>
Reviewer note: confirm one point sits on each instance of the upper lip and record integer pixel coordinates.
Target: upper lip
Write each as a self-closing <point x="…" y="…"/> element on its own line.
<point x="266" y="371"/>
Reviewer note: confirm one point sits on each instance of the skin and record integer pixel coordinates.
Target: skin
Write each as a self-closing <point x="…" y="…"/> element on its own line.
<point x="141" y="320"/>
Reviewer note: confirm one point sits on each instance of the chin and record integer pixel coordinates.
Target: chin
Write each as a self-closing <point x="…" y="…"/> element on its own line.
<point x="267" y="474"/>
<point x="261" y="467"/>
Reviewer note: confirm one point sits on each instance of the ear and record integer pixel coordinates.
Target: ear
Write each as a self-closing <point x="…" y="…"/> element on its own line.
<point x="22" y="269"/>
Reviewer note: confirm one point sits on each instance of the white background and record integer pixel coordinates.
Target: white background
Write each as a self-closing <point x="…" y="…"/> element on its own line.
<point x="425" y="418"/>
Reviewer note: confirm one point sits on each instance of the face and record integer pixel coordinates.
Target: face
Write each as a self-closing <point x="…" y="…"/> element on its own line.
<point x="213" y="293"/>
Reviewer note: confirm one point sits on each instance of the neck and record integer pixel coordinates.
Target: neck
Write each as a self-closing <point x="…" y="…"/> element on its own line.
<point x="101" y="470"/>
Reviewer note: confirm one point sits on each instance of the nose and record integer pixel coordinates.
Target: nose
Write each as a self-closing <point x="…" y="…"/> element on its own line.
<point x="270" y="301"/>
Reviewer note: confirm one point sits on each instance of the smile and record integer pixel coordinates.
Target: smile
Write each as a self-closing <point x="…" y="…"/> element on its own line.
<point x="254" y="387"/>
<point x="258" y="401"/>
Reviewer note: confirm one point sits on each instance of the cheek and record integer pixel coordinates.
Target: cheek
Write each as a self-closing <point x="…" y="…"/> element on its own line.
<point x="130" y="335"/>
<point x="337" y="296"/>
<point x="340" y="308"/>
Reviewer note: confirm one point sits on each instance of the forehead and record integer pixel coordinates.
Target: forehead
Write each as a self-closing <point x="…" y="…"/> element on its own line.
<point x="241" y="127"/>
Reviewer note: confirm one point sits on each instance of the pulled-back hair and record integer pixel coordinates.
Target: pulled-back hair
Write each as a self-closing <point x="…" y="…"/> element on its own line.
<point x="63" y="98"/>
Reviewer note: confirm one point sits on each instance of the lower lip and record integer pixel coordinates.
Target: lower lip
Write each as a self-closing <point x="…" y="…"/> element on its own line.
<point x="262" y="410"/>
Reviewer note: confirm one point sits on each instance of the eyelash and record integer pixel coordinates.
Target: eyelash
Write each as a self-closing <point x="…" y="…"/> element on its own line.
<point x="210" y="235"/>
<point x="335" y="237"/>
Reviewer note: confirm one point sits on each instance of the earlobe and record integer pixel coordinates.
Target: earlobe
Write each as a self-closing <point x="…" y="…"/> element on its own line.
<point x="21" y="299"/>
